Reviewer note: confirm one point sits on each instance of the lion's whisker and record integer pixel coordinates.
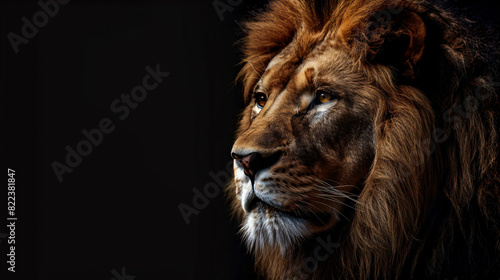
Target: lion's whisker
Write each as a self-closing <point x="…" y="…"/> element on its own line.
<point x="334" y="209"/>
<point x="329" y="198"/>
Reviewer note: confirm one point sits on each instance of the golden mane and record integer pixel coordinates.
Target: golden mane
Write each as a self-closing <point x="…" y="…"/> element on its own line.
<point x="433" y="193"/>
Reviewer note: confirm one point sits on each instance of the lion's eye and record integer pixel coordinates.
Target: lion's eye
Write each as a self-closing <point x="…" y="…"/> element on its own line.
<point x="323" y="97"/>
<point x="260" y="99"/>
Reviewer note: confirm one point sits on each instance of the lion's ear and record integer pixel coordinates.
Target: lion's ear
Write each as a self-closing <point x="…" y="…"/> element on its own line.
<point x="393" y="37"/>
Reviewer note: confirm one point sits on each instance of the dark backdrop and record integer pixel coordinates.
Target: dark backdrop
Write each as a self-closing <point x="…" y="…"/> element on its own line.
<point x="117" y="213"/>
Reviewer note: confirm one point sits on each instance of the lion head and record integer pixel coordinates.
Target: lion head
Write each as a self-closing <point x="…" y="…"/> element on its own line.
<point x="368" y="147"/>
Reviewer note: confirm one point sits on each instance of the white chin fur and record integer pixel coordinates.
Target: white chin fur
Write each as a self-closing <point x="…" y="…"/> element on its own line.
<point x="261" y="230"/>
<point x="276" y="231"/>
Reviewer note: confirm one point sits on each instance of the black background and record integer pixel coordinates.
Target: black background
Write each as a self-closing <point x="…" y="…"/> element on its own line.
<point x="119" y="207"/>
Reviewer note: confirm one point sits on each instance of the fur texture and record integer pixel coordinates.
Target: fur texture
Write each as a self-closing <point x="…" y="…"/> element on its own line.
<point x="398" y="173"/>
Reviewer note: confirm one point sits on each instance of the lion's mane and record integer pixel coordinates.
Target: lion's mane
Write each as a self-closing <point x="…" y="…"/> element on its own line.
<point x="430" y="206"/>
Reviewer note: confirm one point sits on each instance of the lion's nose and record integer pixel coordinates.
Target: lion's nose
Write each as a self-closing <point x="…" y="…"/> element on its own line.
<point x="247" y="162"/>
<point x="254" y="162"/>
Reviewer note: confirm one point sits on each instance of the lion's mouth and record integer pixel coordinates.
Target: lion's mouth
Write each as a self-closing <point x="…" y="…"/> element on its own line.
<point x="320" y="219"/>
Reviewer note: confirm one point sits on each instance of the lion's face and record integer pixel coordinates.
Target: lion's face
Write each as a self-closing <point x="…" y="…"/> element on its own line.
<point x="343" y="139"/>
<point x="306" y="142"/>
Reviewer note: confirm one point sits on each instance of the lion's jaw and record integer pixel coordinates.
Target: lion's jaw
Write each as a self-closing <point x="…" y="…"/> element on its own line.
<point x="320" y="152"/>
<point x="265" y="224"/>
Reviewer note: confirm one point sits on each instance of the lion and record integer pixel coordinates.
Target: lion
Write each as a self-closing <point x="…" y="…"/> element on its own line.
<point x="369" y="143"/>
